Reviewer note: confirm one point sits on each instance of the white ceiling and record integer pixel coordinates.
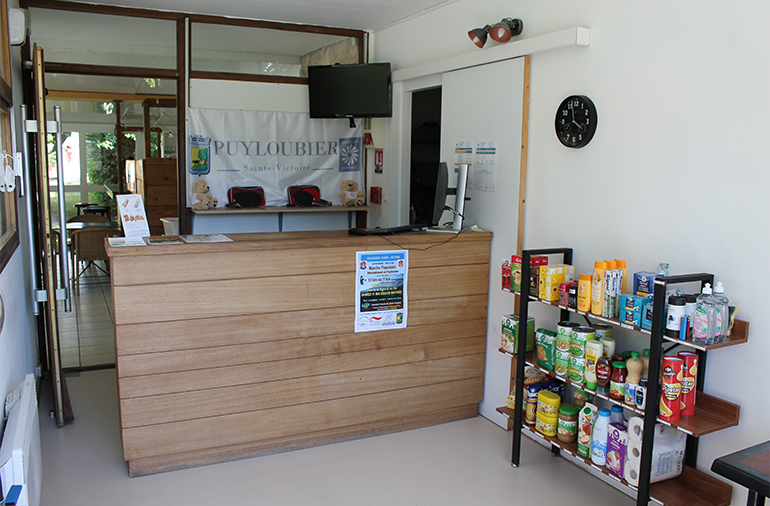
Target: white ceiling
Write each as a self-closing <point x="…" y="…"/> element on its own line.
<point x="359" y="14"/>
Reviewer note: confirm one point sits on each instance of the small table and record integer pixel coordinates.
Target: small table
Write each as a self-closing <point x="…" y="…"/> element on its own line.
<point x="80" y="225"/>
<point x="750" y="468"/>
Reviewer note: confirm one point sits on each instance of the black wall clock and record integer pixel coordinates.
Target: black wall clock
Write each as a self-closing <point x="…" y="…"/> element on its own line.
<point x="576" y="121"/>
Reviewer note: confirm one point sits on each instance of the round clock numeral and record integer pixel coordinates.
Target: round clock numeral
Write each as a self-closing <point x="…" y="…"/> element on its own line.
<point x="576" y="121"/>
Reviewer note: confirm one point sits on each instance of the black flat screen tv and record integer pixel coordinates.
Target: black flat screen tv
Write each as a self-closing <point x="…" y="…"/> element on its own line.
<point x="350" y="91"/>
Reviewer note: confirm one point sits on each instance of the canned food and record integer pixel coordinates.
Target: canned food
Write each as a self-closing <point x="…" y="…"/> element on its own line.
<point x="603" y="330"/>
<point x="583" y="334"/>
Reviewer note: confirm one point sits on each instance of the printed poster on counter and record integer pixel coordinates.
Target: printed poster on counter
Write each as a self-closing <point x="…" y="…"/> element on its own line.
<point x="133" y="216"/>
<point x="381" y="295"/>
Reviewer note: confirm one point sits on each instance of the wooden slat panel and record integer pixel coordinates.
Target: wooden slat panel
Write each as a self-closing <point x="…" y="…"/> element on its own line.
<point x="185" y="381"/>
<point x="191" y="435"/>
<point x="177" y="461"/>
<point x="206" y="333"/>
<point x="207" y="358"/>
<point x="140" y="270"/>
<point x="208" y="299"/>
<point x="243" y="398"/>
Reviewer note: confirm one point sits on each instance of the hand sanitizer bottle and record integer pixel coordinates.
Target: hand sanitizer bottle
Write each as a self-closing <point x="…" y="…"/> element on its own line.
<point x="722" y="314"/>
<point x="704" y="318"/>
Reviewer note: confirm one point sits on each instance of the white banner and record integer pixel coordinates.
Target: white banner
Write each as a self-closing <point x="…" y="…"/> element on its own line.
<point x="273" y="150"/>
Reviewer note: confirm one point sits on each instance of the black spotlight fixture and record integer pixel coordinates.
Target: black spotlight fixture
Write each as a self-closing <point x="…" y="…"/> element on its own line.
<point x="505" y="29"/>
<point x="479" y="35"/>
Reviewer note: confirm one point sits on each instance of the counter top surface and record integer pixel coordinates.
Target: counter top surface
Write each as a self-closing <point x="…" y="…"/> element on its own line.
<point x="280" y="209"/>
<point x="293" y="240"/>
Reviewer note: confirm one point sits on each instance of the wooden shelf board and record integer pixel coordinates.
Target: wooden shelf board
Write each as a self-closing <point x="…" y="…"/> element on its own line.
<point x="691" y="487"/>
<point x="738" y="335"/>
<point x="711" y="413"/>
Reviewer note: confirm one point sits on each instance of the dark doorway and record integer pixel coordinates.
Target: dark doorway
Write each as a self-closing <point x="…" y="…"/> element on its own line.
<point x="425" y="153"/>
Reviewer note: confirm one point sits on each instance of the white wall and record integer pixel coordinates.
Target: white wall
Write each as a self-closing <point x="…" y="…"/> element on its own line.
<point x="678" y="170"/>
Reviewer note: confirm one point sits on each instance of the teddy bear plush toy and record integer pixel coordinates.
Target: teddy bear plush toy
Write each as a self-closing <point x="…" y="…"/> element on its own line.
<point x="351" y="195"/>
<point x="201" y="192"/>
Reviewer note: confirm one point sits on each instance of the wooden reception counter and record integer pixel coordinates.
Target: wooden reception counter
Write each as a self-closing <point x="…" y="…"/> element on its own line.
<point x="245" y="348"/>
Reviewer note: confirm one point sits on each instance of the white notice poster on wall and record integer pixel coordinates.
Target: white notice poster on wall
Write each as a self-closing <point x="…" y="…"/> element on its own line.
<point x="381" y="283"/>
<point x="463" y="152"/>
<point x="485" y="166"/>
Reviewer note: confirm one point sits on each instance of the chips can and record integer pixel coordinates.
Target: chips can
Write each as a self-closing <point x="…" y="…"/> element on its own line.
<point x="688" y="374"/>
<point x="670" y="388"/>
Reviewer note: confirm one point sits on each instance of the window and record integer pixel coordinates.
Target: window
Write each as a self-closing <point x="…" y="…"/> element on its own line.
<point x="9" y="237"/>
<point x="267" y="51"/>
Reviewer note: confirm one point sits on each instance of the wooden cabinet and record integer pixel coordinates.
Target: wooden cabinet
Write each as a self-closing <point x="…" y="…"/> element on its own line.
<point x="156" y="183"/>
<point x="237" y="349"/>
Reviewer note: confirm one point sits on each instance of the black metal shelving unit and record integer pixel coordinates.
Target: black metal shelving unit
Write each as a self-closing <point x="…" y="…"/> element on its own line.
<point x="671" y="492"/>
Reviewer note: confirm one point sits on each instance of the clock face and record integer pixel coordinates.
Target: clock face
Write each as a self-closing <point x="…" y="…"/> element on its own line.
<point x="576" y="121"/>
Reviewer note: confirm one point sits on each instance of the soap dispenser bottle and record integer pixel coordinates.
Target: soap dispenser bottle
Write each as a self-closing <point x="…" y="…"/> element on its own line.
<point x="722" y="314"/>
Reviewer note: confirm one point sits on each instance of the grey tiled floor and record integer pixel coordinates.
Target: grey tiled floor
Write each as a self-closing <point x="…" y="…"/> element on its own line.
<point x="86" y="334"/>
<point x="465" y="463"/>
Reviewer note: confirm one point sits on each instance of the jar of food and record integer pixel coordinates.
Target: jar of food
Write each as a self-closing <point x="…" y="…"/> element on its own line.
<point x="572" y="294"/>
<point x="566" y="430"/>
<point x="546" y="425"/>
<point x="580" y="397"/>
<point x="548" y="403"/>
<point x="618" y="381"/>
<point x="563" y="294"/>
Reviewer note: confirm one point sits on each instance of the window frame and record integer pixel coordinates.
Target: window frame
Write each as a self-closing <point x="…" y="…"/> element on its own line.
<point x="9" y="241"/>
<point x="181" y="73"/>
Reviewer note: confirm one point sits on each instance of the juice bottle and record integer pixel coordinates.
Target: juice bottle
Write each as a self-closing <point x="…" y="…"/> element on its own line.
<point x="597" y="288"/>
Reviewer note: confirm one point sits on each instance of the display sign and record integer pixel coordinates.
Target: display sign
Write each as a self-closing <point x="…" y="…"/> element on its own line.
<point x="381" y="290"/>
<point x="133" y="216"/>
<point x="273" y="150"/>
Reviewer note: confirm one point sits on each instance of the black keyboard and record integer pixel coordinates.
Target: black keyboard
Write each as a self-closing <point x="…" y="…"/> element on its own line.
<point x="385" y="231"/>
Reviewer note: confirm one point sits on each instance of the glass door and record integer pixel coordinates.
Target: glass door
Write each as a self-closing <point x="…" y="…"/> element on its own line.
<point x="47" y="234"/>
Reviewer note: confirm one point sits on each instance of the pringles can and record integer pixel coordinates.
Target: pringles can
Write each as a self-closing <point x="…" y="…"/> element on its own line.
<point x="688" y="379"/>
<point x="670" y="388"/>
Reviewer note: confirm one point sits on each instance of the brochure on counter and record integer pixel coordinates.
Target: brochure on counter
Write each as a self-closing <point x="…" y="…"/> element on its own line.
<point x="202" y="238"/>
<point x="126" y="241"/>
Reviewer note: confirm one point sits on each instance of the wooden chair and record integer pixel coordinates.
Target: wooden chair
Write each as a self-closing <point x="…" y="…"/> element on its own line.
<point x="88" y="246"/>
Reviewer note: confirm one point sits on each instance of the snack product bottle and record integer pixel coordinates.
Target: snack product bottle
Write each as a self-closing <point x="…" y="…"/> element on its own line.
<point x="594" y="351"/>
<point x="603" y="374"/>
<point x="597" y="287"/>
